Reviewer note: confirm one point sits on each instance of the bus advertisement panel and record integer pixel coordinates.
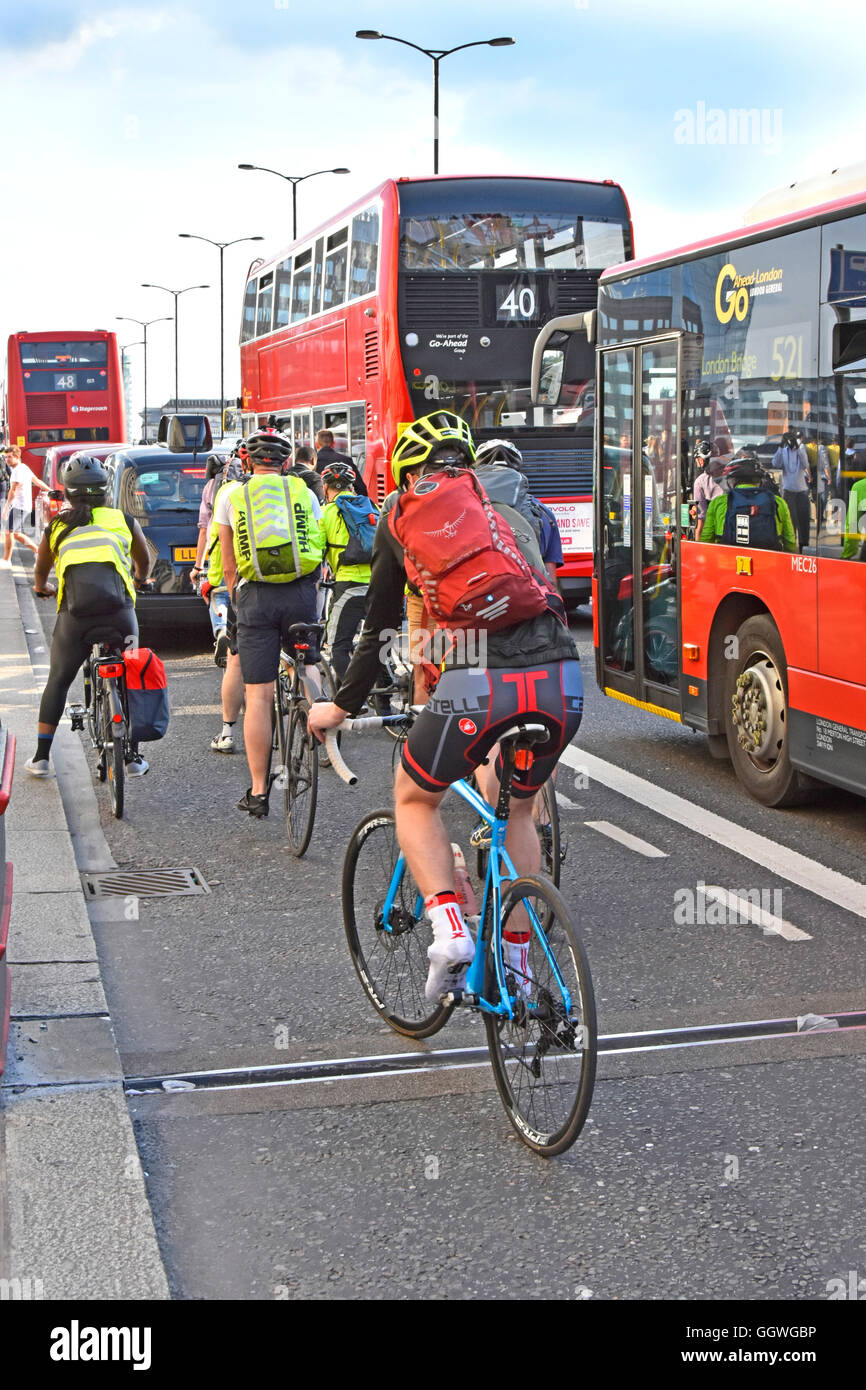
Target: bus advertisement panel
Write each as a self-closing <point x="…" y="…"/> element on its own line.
<point x="430" y="292"/>
<point x="62" y="387"/>
<point x="754" y="344"/>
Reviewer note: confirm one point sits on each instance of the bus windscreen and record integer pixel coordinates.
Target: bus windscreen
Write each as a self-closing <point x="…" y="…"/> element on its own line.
<point x="64" y="355"/>
<point x="502" y="224"/>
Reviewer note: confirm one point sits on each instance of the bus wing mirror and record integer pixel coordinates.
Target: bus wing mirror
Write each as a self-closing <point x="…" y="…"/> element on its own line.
<point x="548" y="363"/>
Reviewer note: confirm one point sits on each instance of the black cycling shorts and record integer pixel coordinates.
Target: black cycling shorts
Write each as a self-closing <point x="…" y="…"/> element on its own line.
<point x="471" y="709"/>
<point x="265" y="612"/>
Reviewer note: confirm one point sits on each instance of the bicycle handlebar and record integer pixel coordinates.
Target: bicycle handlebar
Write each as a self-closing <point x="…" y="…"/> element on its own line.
<point x="366" y="725"/>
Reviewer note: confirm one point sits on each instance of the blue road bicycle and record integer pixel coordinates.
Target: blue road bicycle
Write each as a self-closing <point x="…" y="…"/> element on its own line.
<point x="540" y="1023"/>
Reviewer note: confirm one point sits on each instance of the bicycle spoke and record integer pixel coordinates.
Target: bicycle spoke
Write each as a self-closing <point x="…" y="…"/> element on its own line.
<point x="391" y="964"/>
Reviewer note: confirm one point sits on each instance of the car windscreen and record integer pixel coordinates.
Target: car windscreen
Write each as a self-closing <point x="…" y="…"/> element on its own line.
<point x="162" y="490"/>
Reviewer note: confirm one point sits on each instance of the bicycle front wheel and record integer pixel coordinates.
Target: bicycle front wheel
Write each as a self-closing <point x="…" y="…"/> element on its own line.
<point x="544" y="1057"/>
<point x="391" y="965"/>
<point x="302" y="780"/>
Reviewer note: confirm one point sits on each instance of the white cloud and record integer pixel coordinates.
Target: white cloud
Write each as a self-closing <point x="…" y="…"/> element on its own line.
<point x="67" y="54"/>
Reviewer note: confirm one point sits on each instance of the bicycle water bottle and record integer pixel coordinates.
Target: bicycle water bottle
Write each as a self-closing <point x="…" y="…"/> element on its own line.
<point x="463" y="884"/>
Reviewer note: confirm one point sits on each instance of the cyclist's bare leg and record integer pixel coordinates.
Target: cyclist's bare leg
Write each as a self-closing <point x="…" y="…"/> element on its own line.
<point x="427" y="845"/>
<point x="258" y="734"/>
<point x="312" y="682"/>
<point x="422" y="835"/>
<point x="232" y="691"/>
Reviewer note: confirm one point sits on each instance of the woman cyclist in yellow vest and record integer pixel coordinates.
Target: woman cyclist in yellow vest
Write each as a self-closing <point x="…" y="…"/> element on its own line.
<point x="94" y="550"/>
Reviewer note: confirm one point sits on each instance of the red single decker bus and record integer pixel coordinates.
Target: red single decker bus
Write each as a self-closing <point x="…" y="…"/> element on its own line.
<point x="742" y="341"/>
<point x="62" y="387"/>
<point x="430" y="293"/>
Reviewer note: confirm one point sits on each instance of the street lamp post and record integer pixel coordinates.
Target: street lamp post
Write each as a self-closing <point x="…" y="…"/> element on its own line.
<point x="176" y="293"/>
<point x="144" y="326"/>
<point x="436" y="54"/>
<point x="294" y="180"/>
<point x="221" y="246"/>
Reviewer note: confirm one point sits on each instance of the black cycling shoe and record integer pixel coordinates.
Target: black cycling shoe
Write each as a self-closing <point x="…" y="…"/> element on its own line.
<point x="256" y="805"/>
<point x="221" y="650"/>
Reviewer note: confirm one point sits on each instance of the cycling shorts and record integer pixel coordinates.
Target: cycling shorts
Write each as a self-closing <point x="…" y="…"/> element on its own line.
<point x="471" y="709"/>
<point x="265" y="612"/>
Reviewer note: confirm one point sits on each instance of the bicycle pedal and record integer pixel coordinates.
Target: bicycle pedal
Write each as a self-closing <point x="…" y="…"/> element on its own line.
<point x="76" y="714"/>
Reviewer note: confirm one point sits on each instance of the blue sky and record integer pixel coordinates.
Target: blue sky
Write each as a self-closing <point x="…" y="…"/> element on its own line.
<point x="124" y="125"/>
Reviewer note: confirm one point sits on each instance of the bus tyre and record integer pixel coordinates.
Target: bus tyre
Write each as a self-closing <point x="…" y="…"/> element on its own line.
<point x="756" y="716"/>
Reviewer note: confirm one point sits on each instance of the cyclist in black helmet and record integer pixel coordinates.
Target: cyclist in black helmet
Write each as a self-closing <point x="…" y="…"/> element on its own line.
<point x="99" y="554"/>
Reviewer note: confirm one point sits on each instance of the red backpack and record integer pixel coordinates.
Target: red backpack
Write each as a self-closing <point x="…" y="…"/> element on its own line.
<point x="463" y="555"/>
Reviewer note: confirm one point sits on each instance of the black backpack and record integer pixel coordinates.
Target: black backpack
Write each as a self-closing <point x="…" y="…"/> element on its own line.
<point x="750" y="519"/>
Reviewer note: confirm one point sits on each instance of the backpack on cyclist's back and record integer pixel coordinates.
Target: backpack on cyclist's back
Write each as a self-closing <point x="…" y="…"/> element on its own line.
<point x="463" y="556"/>
<point x="509" y="492"/>
<point x="750" y="519"/>
<point x="360" y="517"/>
<point x="147" y="695"/>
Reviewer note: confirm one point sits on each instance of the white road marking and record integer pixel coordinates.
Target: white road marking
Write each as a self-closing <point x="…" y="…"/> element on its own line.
<point x="566" y="803"/>
<point x="816" y="878"/>
<point x="742" y="910"/>
<point x="613" y="832"/>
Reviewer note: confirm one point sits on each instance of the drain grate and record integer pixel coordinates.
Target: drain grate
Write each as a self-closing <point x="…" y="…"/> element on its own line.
<point x="144" y="883"/>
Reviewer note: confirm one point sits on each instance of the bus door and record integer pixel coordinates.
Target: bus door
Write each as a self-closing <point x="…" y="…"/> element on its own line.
<point x="638" y="427"/>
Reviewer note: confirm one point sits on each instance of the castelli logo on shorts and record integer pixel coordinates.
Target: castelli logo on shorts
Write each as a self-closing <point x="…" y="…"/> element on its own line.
<point x="466" y="726"/>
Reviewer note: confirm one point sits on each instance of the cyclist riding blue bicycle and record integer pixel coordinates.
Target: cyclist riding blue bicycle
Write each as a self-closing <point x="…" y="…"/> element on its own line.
<point x="523" y="669"/>
<point x="93" y="549"/>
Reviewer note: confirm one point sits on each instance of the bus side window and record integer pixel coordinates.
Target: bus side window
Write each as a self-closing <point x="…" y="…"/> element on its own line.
<point x="365" y="251"/>
<point x="248" y="322"/>
<point x="335" y="268"/>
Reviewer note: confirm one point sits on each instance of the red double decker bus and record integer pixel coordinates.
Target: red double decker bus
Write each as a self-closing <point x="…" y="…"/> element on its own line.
<point x="62" y="387"/>
<point x="429" y="293"/>
<point x="738" y="340"/>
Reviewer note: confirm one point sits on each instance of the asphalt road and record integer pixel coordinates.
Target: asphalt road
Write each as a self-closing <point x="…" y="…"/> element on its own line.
<point x="724" y="1171"/>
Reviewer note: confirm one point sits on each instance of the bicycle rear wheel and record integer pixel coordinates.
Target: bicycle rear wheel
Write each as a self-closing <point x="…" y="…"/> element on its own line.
<point x="544" y="1058"/>
<point x="113" y="754"/>
<point x="547" y="825"/>
<point x="391" y="965"/>
<point x="302" y="779"/>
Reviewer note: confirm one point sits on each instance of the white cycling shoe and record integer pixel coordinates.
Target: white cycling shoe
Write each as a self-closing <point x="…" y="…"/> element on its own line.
<point x="137" y="766"/>
<point x="42" y="768"/>
<point x="449" y="961"/>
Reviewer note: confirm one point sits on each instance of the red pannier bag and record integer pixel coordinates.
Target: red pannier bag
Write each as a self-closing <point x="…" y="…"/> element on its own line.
<point x="463" y="556"/>
<point x="147" y="695"/>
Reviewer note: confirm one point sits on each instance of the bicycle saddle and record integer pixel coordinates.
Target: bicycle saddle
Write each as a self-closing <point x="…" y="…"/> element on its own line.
<point x="525" y="735"/>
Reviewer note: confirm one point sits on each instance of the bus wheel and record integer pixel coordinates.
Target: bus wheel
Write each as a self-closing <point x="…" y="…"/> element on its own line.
<point x="756" y="716"/>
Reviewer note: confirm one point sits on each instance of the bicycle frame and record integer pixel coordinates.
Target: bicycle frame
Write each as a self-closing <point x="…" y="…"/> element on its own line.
<point x="500" y="868"/>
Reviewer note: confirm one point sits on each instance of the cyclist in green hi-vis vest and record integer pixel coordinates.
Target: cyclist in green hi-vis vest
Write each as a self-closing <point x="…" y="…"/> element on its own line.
<point x="271" y="553"/>
<point x="98" y="554"/>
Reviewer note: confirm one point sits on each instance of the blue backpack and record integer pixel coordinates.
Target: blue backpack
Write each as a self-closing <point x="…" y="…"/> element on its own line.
<point x="360" y="517"/>
<point x="750" y="519"/>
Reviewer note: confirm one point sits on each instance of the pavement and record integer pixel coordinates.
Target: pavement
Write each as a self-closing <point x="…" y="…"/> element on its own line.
<point x="75" y="1221"/>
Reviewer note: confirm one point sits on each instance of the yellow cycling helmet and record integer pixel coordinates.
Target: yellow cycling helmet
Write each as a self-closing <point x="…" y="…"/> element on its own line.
<point x="423" y="437"/>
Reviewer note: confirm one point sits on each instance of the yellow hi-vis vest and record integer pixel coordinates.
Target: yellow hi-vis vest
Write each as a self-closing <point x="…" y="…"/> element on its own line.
<point x="107" y="540"/>
<point x="276" y="534"/>
<point x="213" y="551"/>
